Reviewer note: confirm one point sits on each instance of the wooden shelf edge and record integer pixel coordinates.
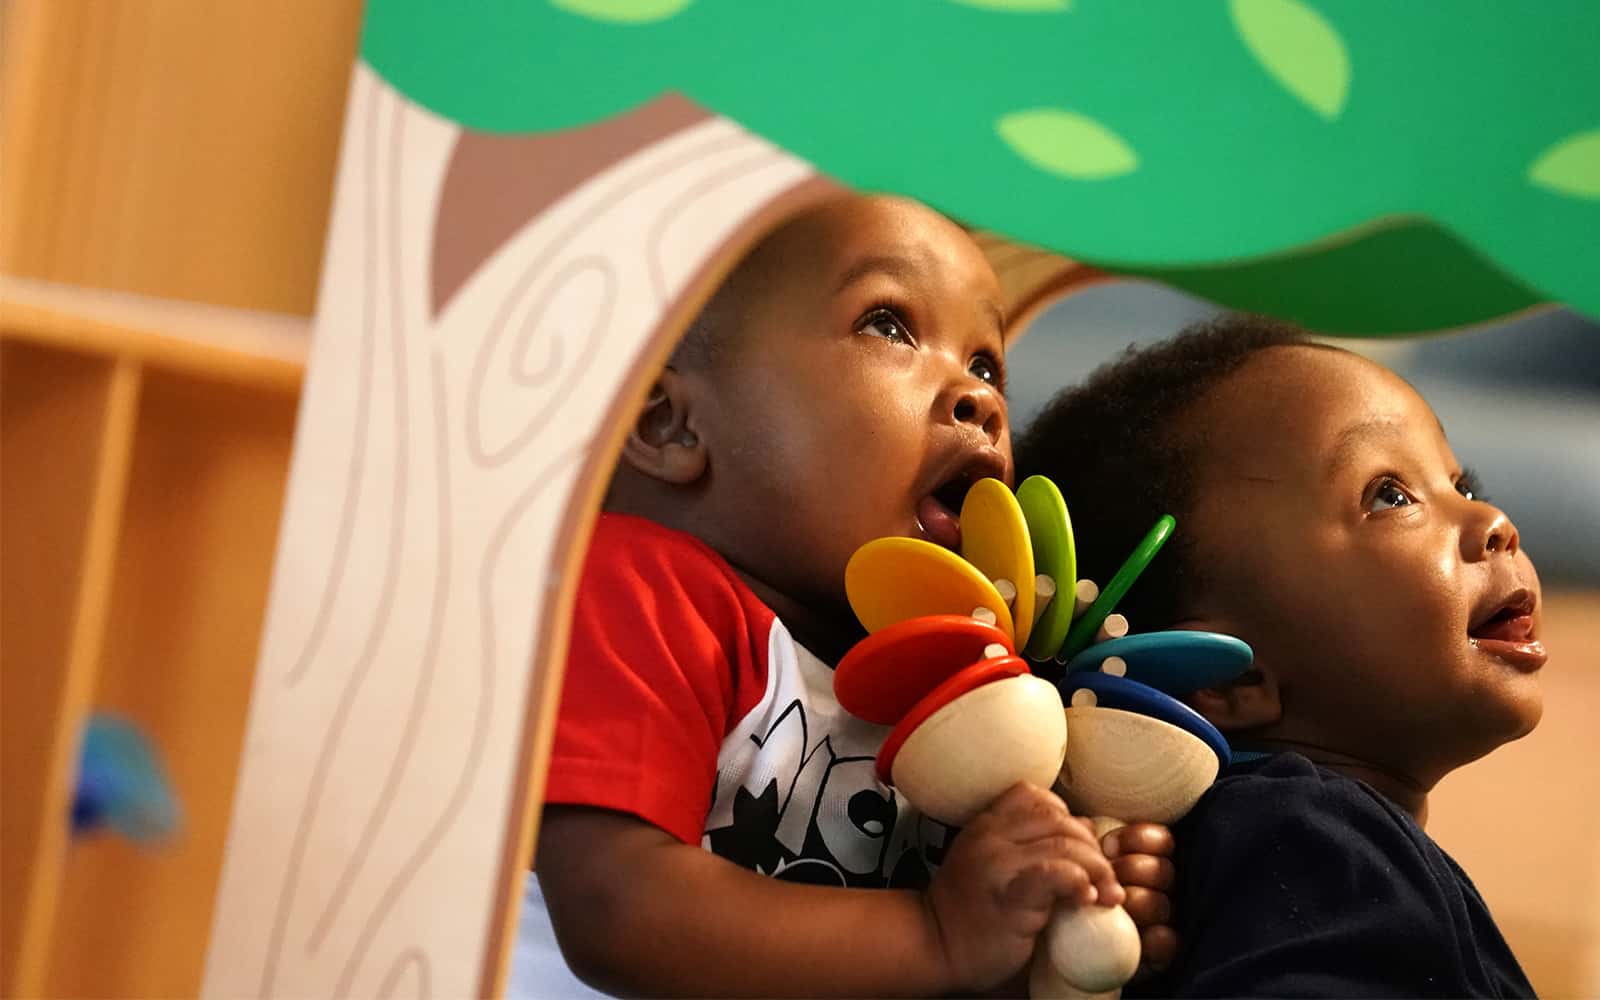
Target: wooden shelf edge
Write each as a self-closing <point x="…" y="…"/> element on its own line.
<point x="256" y="349"/>
<point x="82" y="668"/>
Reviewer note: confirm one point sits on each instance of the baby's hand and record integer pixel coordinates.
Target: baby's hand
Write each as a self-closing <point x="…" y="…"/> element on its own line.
<point x="1004" y="874"/>
<point x="1141" y="855"/>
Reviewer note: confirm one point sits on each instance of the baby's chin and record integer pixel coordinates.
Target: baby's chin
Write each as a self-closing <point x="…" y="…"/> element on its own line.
<point x="1526" y="709"/>
<point x="1505" y="714"/>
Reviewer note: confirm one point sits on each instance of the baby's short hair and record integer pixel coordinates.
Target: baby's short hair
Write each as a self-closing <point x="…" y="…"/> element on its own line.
<point x="715" y="329"/>
<point x="1118" y="448"/>
<point x="706" y="340"/>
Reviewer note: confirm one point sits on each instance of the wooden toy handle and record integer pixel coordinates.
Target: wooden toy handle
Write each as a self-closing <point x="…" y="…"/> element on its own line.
<point x="1085" y="951"/>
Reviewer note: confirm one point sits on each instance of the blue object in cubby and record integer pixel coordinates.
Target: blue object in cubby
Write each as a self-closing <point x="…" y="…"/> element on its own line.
<point x="121" y="783"/>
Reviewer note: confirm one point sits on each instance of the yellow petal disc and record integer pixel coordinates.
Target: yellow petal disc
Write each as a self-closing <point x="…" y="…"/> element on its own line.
<point x="892" y="580"/>
<point x="994" y="538"/>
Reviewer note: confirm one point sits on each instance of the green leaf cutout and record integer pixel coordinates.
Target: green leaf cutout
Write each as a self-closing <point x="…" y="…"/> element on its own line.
<point x="1067" y="143"/>
<point x="623" y="11"/>
<point x="1571" y="166"/>
<point x="1300" y="50"/>
<point x="1024" y="6"/>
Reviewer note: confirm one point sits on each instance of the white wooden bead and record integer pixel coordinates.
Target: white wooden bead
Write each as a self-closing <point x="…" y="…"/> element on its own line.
<point x="1045" y="983"/>
<point x="973" y="749"/>
<point x="1094" y="948"/>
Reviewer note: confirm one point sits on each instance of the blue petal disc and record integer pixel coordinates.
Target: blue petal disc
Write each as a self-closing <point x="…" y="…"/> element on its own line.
<point x="1175" y="662"/>
<point x="1131" y="696"/>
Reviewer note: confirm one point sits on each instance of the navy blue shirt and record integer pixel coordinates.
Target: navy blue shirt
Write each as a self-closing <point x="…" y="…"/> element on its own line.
<point x="1295" y="881"/>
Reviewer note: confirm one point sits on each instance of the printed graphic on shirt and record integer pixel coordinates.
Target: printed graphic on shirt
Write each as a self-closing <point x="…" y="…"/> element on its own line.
<point x="797" y="794"/>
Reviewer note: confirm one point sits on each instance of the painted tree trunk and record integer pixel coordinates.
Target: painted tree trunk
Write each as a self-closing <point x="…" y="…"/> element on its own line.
<point x="492" y="308"/>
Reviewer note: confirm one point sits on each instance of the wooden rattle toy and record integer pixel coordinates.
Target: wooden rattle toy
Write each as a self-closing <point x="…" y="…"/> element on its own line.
<point x="970" y="719"/>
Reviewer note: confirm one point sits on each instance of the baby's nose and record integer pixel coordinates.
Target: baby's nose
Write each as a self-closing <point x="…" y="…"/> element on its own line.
<point x="981" y="406"/>
<point x="1494" y="533"/>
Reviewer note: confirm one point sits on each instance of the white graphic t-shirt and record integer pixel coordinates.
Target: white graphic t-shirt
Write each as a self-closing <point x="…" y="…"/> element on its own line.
<point x="687" y="703"/>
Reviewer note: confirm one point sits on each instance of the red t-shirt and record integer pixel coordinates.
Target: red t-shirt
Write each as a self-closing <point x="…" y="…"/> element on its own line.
<point x="687" y="703"/>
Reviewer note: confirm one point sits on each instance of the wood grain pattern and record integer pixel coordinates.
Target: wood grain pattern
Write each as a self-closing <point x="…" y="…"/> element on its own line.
<point x="443" y="481"/>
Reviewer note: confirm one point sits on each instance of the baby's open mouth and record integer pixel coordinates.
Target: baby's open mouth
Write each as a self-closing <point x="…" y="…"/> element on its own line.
<point x="1508" y="624"/>
<point x="939" y="513"/>
<point x="1506" y="631"/>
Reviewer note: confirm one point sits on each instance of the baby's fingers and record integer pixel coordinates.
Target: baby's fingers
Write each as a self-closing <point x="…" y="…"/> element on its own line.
<point x="1158" y="946"/>
<point x="1027" y="813"/>
<point x="1063" y="858"/>
<point x="1046" y="882"/>
<point x="1147" y="908"/>
<point x="1107" y="889"/>
<point x="1138" y="838"/>
<point x="1144" y="870"/>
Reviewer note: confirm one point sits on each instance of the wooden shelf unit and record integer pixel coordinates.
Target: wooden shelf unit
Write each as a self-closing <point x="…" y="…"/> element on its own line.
<point x="143" y="459"/>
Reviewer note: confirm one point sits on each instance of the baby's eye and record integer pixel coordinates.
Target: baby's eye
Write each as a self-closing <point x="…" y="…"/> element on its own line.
<point x="1469" y="487"/>
<point x="884" y="323"/>
<point x="1388" y="496"/>
<point x="986" y="369"/>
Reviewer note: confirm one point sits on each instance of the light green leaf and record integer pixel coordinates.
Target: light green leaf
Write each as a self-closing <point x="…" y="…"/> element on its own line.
<point x="623" y="11"/>
<point x="1300" y="49"/>
<point x="1066" y="143"/>
<point x="1571" y="166"/>
<point x="1025" y="6"/>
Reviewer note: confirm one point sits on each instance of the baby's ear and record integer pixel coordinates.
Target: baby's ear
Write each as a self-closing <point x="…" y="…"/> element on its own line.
<point x="662" y="443"/>
<point x="1249" y="701"/>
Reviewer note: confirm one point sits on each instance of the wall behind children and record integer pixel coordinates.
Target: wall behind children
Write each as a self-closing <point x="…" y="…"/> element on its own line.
<point x="509" y="252"/>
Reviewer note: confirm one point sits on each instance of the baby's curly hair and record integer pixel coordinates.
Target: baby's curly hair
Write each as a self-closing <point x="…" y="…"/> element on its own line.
<point x="1118" y="448"/>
